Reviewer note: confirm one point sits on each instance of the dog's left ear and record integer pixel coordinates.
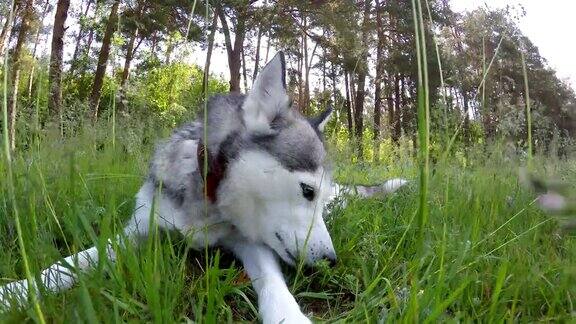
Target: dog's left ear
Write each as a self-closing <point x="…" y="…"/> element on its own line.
<point x="320" y="121"/>
<point x="268" y="97"/>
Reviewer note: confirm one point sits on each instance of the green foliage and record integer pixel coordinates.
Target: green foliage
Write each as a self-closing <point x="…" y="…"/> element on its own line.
<point x="500" y="101"/>
<point x="171" y="92"/>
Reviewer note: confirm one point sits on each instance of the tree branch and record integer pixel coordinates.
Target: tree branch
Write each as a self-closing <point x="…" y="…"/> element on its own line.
<point x="225" y="29"/>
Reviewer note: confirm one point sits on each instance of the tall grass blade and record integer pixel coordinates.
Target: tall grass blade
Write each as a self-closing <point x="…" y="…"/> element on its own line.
<point x="11" y="189"/>
<point x="441" y="73"/>
<point x="423" y="117"/>
<point x="497" y="289"/>
<point x="528" y="110"/>
<point x="445" y="303"/>
<point x="190" y="21"/>
<point x="205" y="126"/>
<point x="483" y="74"/>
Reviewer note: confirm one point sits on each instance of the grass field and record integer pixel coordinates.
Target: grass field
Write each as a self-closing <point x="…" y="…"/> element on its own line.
<point x="489" y="254"/>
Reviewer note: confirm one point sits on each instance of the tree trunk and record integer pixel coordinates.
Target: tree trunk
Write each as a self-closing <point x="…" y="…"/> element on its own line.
<point x="130" y="50"/>
<point x="377" y="117"/>
<point x="333" y="77"/>
<point x="397" y="108"/>
<point x="392" y="119"/>
<point x="169" y="50"/>
<point x="335" y="103"/>
<point x="323" y="70"/>
<point x="154" y="44"/>
<point x="300" y="67"/>
<point x="16" y="58"/>
<point x="466" y="116"/>
<point x="79" y="37"/>
<point x="267" y="47"/>
<point x="308" y="66"/>
<point x="352" y="93"/>
<point x="103" y="61"/>
<point x="362" y="72"/>
<point x="257" y="56"/>
<point x="378" y="81"/>
<point x="234" y="51"/>
<point x="7" y="30"/>
<point x="55" y="73"/>
<point x="35" y="49"/>
<point x="209" y="52"/>
<point x="348" y="105"/>
<point x="359" y="112"/>
<point x="90" y="36"/>
<point x="244" y="73"/>
<point x="407" y="114"/>
<point x="306" y="85"/>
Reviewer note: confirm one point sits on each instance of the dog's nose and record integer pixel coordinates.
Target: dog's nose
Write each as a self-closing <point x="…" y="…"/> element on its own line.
<point x="331" y="258"/>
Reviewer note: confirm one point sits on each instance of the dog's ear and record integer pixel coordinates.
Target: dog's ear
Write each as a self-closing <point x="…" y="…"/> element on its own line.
<point x="320" y="121"/>
<point x="268" y="97"/>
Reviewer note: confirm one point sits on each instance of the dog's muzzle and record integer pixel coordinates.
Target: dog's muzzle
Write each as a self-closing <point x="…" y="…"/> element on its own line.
<point x="311" y="257"/>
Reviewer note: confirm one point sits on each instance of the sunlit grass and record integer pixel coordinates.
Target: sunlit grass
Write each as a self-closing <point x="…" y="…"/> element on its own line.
<point x="466" y="244"/>
<point x="480" y="219"/>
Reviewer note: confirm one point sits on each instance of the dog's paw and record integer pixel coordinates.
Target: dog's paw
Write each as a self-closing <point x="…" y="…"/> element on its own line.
<point x="285" y="317"/>
<point x="13" y="294"/>
<point x="393" y="185"/>
<point x="281" y="307"/>
<point x="4" y="302"/>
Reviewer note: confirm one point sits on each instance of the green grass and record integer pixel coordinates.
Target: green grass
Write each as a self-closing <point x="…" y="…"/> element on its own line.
<point x="465" y="243"/>
<point x="9" y="181"/>
<point x="488" y="253"/>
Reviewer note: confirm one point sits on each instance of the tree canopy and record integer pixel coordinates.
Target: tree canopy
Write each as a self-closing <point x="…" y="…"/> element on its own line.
<point x="358" y="56"/>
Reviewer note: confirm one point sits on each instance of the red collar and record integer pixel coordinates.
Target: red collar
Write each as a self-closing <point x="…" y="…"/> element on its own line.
<point x="214" y="174"/>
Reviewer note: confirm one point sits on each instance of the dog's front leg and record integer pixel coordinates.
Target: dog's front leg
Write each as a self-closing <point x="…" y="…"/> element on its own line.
<point x="59" y="276"/>
<point x="63" y="274"/>
<point x="276" y="303"/>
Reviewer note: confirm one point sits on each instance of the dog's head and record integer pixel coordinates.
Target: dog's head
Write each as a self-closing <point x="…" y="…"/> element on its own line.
<point x="276" y="183"/>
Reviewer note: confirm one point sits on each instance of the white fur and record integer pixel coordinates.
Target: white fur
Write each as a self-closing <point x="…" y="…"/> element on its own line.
<point x="264" y="200"/>
<point x="388" y="187"/>
<point x="552" y="202"/>
<point x="276" y="303"/>
<point x="325" y="121"/>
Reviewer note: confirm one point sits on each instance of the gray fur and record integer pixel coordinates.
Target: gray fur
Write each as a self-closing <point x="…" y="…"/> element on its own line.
<point x="174" y="165"/>
<point x="294" y="143"/>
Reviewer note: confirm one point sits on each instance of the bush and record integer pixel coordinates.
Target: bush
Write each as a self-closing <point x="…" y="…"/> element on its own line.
<point x="171" y="92"/>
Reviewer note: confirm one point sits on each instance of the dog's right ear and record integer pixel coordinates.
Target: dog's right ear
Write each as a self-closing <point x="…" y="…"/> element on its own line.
<point x="321" y="120"/>
<point x="267" y="98"/>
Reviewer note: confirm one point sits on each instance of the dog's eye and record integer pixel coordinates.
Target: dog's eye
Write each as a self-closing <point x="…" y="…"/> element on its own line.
<point x="307" y="191"/>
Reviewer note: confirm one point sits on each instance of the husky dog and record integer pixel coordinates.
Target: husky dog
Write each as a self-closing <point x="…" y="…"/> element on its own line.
<point x="254" y="181"/>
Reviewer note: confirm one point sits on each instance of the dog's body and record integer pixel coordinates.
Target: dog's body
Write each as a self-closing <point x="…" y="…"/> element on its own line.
<point x="253" y="181"/>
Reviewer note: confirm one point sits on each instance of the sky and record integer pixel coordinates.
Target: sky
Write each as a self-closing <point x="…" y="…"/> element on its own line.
<point x="550" y="25"/>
